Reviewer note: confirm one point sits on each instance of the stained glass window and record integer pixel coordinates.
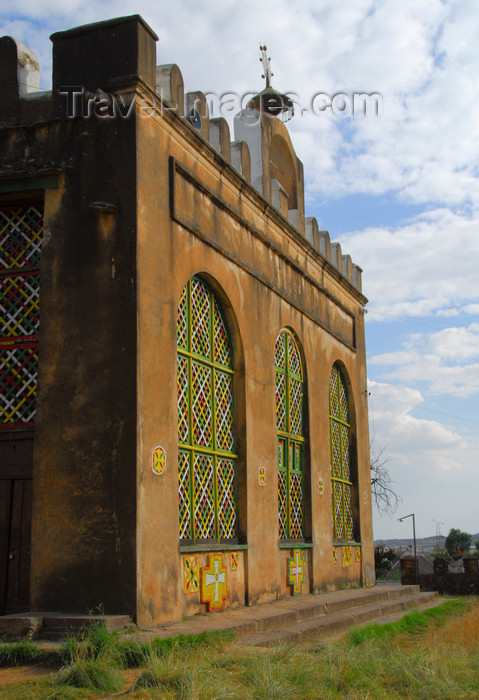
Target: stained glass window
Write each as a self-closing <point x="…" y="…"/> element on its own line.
<point x="21" y="229"/>
<point x="341" y="481"/>
<point x="289" y="426"/>
<point x="206" y="448"/>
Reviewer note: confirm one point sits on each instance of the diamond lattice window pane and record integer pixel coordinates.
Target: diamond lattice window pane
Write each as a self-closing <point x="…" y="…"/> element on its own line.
<point x="222" y="351"/>
<point x="21" y="231"/>
<point x="333" y="393"/>
<point x="226" y="498"/>
<point x="184" y="495"/>
<point x="280" y="401"/>
<point x="343" y="400"/>
<point x="202" y="417"/>
<point x="183" y="399"/>
<point x="18" y="377"/>
<point x="296" y="407"/>
<point x="296" y="507"/>
<point x="338" y="510"/>
<point x="282" y="505"/>
<point x="19" y="304"/>
<point x="200" y="326"/>
<point x="182" y="320"/>
<point x="280" y="351"/>
<point x="294" y="359"/>
<point x="224" y="411"/>
<point x="335" y="450"/>
<point x="345" y="451"/>
<point x="348" y="513"/>
<point x="204" y="497"/>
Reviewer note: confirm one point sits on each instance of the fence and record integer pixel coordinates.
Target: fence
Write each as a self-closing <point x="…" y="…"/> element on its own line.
<point x="442" y="580"/>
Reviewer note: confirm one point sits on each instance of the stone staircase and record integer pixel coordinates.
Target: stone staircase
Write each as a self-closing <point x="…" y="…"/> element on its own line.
<point x="322" y="615"/>
<point x="325" y="614"/>
<point x="343" y="612"/>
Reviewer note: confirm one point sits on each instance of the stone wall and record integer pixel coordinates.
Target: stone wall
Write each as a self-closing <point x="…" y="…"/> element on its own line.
<point x="442" y="580"/>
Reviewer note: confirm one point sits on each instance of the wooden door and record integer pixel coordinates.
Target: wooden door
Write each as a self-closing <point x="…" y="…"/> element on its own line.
<point x="16" y="458"/>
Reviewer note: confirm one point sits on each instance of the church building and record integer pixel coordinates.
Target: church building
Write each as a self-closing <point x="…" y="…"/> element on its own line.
<point x="183" y="411"/>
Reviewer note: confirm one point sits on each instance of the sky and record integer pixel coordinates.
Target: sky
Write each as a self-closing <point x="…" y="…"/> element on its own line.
<point x="398" y="189"/>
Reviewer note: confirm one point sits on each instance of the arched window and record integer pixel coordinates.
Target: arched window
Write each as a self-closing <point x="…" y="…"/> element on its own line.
<point x="341" y="479"/>
<point x="289" y="426"/>
<point x="206" y="457"/>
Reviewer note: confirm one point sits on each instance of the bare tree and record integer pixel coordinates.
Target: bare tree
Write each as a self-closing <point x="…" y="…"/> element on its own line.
<point x="382" y="486"/>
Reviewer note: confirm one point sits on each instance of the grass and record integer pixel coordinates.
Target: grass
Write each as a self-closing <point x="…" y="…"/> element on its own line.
<point x="432" y="654"/>
<point x="20" y="654"/>
<point x="412" y="622"/>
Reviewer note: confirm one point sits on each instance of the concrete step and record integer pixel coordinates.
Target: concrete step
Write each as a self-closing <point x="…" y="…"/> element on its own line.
<point x="337" y="622"/>
<point x="58" y="626"/>
<point x="19" y="626"/>
<point x="250" y="620"/>
<point x="34" y="625"/>
<point x="293" y="610"/>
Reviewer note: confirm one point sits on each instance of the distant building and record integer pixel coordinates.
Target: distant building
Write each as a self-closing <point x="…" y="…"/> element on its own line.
<point x="184" y="409"/>
<point x="424" y="563"/>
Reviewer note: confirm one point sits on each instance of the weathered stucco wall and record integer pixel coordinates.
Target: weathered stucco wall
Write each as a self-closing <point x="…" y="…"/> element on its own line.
<point x="197" y="217"/>
<point x="84" y="458"/>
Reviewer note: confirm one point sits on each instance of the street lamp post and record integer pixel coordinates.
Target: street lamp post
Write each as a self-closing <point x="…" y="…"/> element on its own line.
<point x="411" y="515"/>
<point x="438" y="533"/>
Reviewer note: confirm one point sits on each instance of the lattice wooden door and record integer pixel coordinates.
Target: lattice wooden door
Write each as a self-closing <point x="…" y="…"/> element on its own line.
<point x="16" y="453"/>
<point x="21" y="229"/>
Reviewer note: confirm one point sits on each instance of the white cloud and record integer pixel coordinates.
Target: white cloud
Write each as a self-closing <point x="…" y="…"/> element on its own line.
<point x="432" y="465"/>
<point x="426" y="146"/>
<point x="443" y="360"/>
<point x="471" y="309"/>
<point x="455" y="381"/>
<point x="391" y="409"/>
<point x="426" y="266"/>
<point x="457" y="344"/>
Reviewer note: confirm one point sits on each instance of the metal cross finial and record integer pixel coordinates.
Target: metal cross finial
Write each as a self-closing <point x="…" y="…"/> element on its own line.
<point x="267" y="70"/>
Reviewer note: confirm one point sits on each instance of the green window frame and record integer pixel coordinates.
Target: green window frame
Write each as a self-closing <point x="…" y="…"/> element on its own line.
<point x="289" y="389"/>
<point x="206" y="444"/>
<point x="340" y="448"/>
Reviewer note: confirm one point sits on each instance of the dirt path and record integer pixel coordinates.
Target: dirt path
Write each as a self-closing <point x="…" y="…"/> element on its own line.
<point x="23" y="673"/>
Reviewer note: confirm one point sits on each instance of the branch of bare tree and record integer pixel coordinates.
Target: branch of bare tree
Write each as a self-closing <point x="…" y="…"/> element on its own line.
<point x="382" y="486"/>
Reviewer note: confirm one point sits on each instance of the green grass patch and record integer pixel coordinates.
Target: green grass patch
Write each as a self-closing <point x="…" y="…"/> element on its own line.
<point x="21" y="654"/>
<point x="190" y="641"/>
<point x="166" y="677"/>
<point x="411" y="623"/>
<point x="92" y="674"/>
<point x="95" y="660"/>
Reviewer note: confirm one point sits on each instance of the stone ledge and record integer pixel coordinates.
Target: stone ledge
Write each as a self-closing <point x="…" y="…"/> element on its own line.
<point x="32" y="626"/>
<point x="17" y="627"/>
